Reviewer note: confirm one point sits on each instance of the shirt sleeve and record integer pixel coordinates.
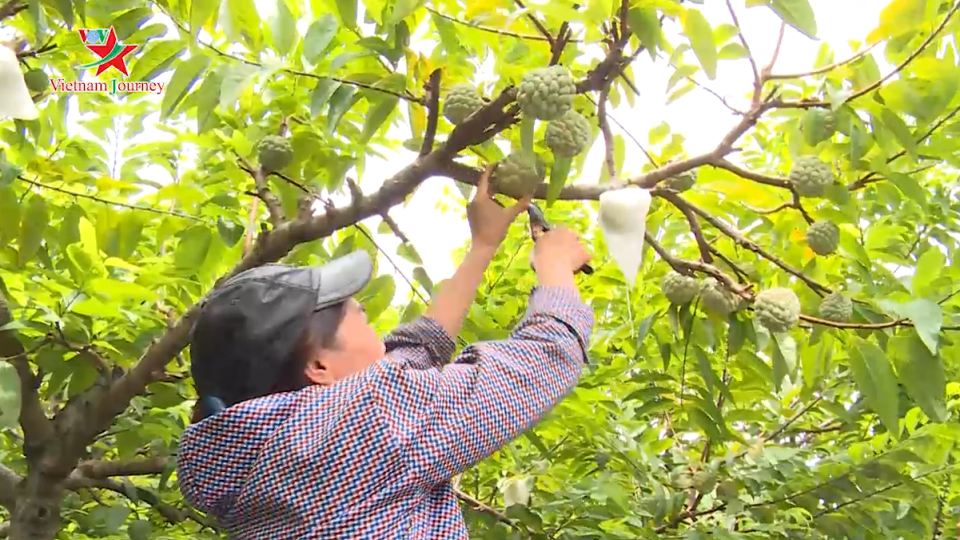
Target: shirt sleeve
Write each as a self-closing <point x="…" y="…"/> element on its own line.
<point x="421" y="344"/>
<point x="447" y="419"/>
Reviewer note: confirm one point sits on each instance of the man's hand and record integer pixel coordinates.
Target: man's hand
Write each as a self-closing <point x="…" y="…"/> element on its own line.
<point x="489" y="222"/>
<point x="557" y="254"/>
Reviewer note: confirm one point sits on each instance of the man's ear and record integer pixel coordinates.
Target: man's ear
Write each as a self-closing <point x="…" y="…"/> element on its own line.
<point x="317" y="372"/>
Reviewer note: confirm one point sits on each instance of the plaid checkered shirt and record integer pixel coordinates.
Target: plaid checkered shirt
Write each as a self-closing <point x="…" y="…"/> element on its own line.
<point x="372" y="456"/>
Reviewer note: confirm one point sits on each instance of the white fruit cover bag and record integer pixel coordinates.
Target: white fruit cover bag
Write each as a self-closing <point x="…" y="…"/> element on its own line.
<point x="623" y="220"/>
<point x="15" y="100"/>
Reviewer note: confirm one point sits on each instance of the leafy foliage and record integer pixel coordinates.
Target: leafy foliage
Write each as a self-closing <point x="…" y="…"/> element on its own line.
<point x="688" y="424"/>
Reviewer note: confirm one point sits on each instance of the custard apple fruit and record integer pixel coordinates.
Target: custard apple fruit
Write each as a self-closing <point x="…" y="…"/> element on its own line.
<point x="274" y="153"/>
<point x="704" y="481"/>
<point x="811" y="176"/>
<point x="546" y="93"/>
<point x="461" y="101"/>
<point x="678" y="288"/>
<point x="819" y="125"/>
<point x="520" y="174"/>
<point x="568" y="135"/>
<point x="36" y="80"/>
<point x="718" y="299"/>
<point x="682" y="181"/>
<point x="823" y="237"/>
<point x="836" y="307"/>
<point x="777" y="309"/>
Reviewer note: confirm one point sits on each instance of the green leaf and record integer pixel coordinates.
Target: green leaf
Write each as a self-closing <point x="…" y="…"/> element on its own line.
<point x="9" y="396"/>
<point x="321" y="95"/>
<point x="283" y="28"/>
<point x="784" y="358"/>
<point x="9" y="215"/>
<point x="230" y="232"/>
<point x="347" y="9"/>
<point x="377" y="114"/>
<point x="644" y="23"/>
<point x="923" y="375"/>
<point x="875" y="378"/>
<point x="318" y="38"/>
<point x="896" y="125"/>
<point x="236" y="79"/>
<point x="34" y="226"/>
<point x="180" y="83"/>
<point x="240" y="21"/>
<point x="193" y="247"/>
<point x="420" y="276"/>
<point x="908" y="185"/>
<point x="929" y="268"/>
<point x="65" y="8"/>
<point x="377" y="295"/>
<point x="340" y="103"/>
<point x="201" y="11"/>
<point x="157" y="58"/>
<point x="798" y="14"/>
<point x="558" y="178"/>
<point x="927" y="318"/>
<point x="698" y="31"/>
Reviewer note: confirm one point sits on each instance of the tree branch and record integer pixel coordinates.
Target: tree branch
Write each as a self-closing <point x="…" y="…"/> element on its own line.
<point x="37" y="427"/>
<point x="108" y="202"/>
<point x="433" y="112"/>
<point x="807" y="103"/>
<point x="11" y="9"/>
<point x="9" y="480"/>
<point x="679" y="202"/>
<point x="169" y="512"/>
<point x="824" y="69"/>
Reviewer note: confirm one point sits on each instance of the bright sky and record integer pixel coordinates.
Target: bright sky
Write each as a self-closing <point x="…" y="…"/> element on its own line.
<point x="698" y="116"/>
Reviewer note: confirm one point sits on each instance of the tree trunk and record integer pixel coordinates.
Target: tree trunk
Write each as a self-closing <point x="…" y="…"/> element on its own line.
<point x="37" y="512"/>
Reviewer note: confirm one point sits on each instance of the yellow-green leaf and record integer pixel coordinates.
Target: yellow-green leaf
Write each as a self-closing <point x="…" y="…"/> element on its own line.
<point x="347" y="9"/>
<point x="377" y="114"/>
<point x="32" y="228"/>
<point x="318" y="37"/>
<point x="156" y="58"/>
<point x="180" y="83"/>
<point x="798" y="14"/>
<point x="700" y="34"/>
<point x="875" y="378"/>
<point x="201" y="11"/>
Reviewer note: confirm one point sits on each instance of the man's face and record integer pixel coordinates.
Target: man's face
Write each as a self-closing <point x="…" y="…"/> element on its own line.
<point x="356" y="348"/>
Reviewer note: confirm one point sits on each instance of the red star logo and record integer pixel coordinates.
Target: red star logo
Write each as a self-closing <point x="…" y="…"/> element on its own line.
<point x="103" y="51"/>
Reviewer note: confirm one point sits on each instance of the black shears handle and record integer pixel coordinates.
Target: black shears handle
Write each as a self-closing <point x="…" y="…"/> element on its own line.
<point x="540" y="225"/>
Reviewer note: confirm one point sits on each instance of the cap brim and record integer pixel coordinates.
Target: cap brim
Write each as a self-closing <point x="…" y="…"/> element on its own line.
<point x="343" y="277"/>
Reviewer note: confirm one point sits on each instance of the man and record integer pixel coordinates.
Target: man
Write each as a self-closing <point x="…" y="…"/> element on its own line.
<point x="317" y="430"/>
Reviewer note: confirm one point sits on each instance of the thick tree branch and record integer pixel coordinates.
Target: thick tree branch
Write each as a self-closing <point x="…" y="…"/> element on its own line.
<point x="11" y="9"/>
<point x="9" y="480"/>
<point x="37" y="427"/>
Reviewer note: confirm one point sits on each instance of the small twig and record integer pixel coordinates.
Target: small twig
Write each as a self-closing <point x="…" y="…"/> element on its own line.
<point x="824" y="69"/>
<point x="433" y="112"/>
<point x="757" y="81"/>
<point x="765" y="73"/>
<point x="608" y="157"/>
<point x="101" y="200"/>
<point x="536" y="22"/>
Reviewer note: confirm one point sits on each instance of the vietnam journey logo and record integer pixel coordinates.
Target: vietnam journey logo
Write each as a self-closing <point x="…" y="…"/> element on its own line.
<point x="103" y="43"/>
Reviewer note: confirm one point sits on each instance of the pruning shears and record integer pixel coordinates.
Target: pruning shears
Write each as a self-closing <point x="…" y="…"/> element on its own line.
<point x="540" y="225"/>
